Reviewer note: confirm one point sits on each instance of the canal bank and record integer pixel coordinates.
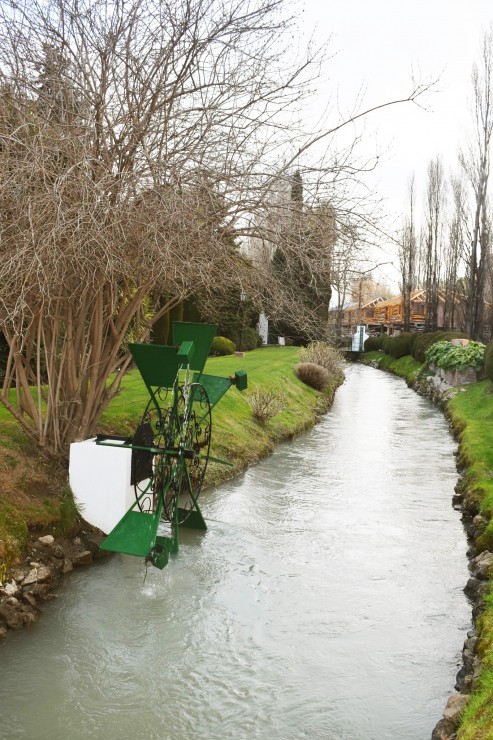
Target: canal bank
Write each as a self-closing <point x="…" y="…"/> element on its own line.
<point x="42" y="536"/>
<point x="469" y="411"/>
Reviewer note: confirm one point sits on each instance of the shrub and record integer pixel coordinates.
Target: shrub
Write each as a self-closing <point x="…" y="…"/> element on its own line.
<point x="323" y="354"/>
<point x="421" y="344"/>
<point x="412" y="344"/>
<point x="265" y="405"/>
<point x="373" y="344"/>
<point x="385" y="343"/>
<point x="424" y="341"/>
<point x="313" y="375"/>
<point x="455" y="357"/>
<point x="488" y="360"/>
<point x="399" y="345"/>
<point x="249" y="339"/>
<point x="222" y="346"/>
<point x="436" y="353"/>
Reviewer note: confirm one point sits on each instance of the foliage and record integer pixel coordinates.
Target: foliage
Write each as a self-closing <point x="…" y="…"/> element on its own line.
<point x="313" y="375"/>
<point x="265" y="404"/>
<point x="299" y="234"/>
<point x="249" y="339"/>
<point x="222" y="346"/>
<point x="455" y="357"/>
<point x="425" y="340"/>
<point x="325" y="355"/>
<point x="373" y="344"/>
<point x="488" y="360"/>
<point x="70" y="516"/>
<point x="398" y="346"/>
<point x="472" y="412"/>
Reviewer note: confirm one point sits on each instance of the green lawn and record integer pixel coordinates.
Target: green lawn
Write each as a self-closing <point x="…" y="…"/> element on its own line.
<point x="33" y="491"/>
<point x="236" y="436"/>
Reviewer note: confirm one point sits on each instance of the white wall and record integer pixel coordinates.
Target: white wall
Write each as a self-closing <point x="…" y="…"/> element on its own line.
<point x="100" y="481"/>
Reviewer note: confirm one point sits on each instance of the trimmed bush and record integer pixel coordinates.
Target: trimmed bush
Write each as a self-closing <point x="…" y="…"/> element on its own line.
<point x="385" y="343"/>
<point x="424" y="341"/>
<point x="323" y="354"/>
<point x="399" y="345"/>
<point x="313" y="375"/>
<point x="412" y="344"/>
<point x="374" y="344"/>
<point x="222" y="346"/>
<point x="488" y="360"/>
<point x="249" y="339"/>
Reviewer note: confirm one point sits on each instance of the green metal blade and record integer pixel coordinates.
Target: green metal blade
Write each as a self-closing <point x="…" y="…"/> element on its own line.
<point x="200" y="334"/>
<point x="214" y="385"/>
<point x="157" y="363"/>
<point x="216" y="460"/>
<point x="194" y="520"/>
<point x="135" y="534"/>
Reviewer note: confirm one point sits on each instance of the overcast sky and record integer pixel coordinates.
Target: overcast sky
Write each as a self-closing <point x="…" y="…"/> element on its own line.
<point x="377" y="45"/>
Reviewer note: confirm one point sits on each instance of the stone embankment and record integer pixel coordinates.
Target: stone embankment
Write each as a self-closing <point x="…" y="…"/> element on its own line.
<point x="439" y="390"/>
<point x="34" y="582"/>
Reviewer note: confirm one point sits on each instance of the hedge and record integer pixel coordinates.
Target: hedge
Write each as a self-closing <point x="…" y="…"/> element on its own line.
<point x="373" y="344"/>
<point x="399" y="345"/>
<point x="424" y="341"/>
<point x="222" y="346"/>
<point x="488" y="360"/>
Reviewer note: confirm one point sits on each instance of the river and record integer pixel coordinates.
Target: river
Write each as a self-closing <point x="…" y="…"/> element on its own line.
<point x="324" y="601"/>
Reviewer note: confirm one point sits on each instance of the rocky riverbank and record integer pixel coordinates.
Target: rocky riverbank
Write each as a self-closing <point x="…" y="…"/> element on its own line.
<point x="30" y="584"/>
<point x="439" y="391"/>
<point x="480" y="566"/>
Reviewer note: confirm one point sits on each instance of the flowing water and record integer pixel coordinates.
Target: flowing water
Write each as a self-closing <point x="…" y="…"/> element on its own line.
<point x="324" y="601"/>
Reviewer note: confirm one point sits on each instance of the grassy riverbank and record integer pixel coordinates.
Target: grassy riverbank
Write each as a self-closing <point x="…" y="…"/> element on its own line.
<point x="34" y="492"/>
<point x="470" y="412"/>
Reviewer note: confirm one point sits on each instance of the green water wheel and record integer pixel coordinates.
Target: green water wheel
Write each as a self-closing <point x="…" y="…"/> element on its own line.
<point x="171" y="445"/>
<point x="154" y="432"/>
<point x="191" y="426"/>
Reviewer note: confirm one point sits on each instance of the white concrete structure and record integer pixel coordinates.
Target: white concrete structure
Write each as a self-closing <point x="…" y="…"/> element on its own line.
<point x="263" y="327"/>
<point x="100" y="481"/>
<point x="359" y="339"/>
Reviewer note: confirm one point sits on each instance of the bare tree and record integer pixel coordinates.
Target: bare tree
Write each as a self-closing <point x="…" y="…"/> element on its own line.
<point x="435" y="195"/>
<point x="407" y="255"/>
<point x="455" y="254"/>
<point x="476" y="164"/>
<point x="126" y="129"/>
<point x="136" y="139"/>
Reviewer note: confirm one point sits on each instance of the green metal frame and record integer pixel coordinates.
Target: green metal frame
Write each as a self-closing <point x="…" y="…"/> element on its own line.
<point x="137" y="531"/>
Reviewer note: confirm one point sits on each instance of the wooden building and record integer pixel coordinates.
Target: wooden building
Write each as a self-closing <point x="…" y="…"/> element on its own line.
<point x="386" y="315"/>
<point x="354" y="314"/>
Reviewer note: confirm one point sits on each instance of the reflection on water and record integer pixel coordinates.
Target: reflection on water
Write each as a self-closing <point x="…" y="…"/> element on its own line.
<point x="324" y="600"/>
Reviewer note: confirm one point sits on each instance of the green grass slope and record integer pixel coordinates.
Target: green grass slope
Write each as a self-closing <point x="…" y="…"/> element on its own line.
<point x="34" y="492"/>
